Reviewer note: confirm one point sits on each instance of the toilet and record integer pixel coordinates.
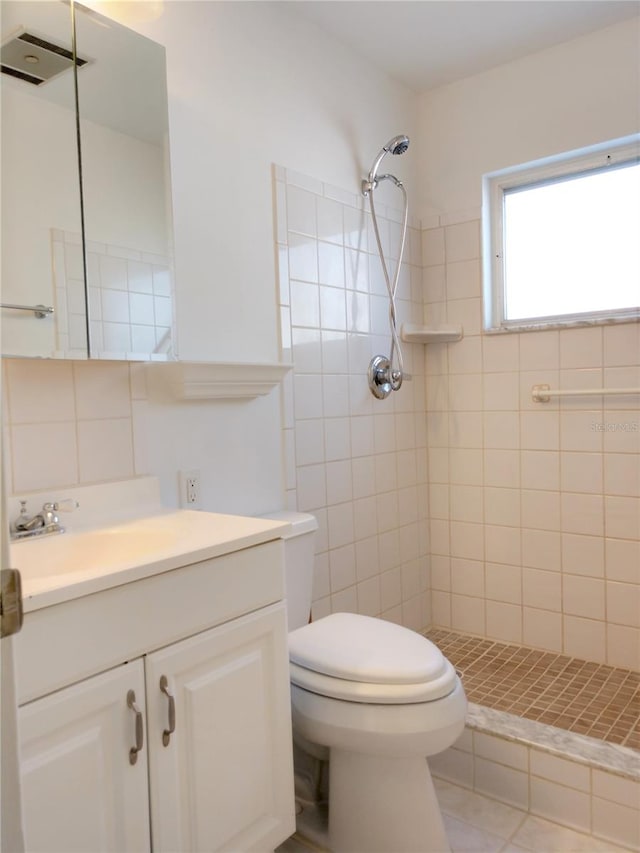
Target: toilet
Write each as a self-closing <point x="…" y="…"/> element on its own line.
<point x="380" y="699"/>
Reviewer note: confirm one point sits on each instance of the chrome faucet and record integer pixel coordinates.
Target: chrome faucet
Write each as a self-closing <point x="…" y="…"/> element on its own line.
<point x="42" y="523"/>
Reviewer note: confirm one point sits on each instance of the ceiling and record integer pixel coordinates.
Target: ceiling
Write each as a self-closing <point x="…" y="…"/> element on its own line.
<point x="428" y="43"/>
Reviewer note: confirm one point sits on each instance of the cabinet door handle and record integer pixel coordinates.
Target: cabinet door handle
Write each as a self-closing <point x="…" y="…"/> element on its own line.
<point x="131" y="703"/>
<point x="166" y="734"/>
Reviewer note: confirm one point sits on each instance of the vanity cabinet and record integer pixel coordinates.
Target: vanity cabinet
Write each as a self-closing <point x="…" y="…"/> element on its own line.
<point x="215" y="770"/>
<point x="79" y="791"/>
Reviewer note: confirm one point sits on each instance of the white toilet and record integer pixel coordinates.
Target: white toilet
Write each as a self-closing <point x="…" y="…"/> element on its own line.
<point x="381" y="698"/>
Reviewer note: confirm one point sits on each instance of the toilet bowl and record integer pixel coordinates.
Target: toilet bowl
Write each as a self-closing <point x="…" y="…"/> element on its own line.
<point x="380" y="699"/>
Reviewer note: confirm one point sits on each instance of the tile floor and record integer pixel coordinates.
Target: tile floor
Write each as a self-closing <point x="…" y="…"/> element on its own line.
<point x="587" y="698"/>
<point x="477" y="824"/>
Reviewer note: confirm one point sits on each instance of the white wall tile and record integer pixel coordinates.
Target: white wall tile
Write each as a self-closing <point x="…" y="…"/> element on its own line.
<point x="462" y="241"/>
<point x="622" y="560"/>
<point x="621" y="475"/>
<point x="583" y="596"/>
<point x="309" y="442"/>
<point x="623" y="646"/>
<point x="622" y="517"/>
<point x="504" y="621"/>
<point x="504" y="783"/>
<point x="540" y="509"/>
<point x="502" y="544"/>
<point x="301" y="211"/>
<point x="34" y="465"/>
<point x="453" y="764"/>
<point x="623" y="603"/>
<point x="463" y="279"/>
<point x="303" y="258"/>
<point x="541" y="549"/>
<point x="305" y="304"/>
<point x="105" y="450"/>
<point x="502" y="468"/>
<point x="342" y="568"/>
<point x="102" y="390"/>
<point x="542" y="629"/>
<point x="582" y="472"/>
<point x="616" y="822"/>
<point x="433" y="247"/>
<point x="540" y="350"/>
<point x="330" y="220"/>
<point x="621" y="344"/>
<point x="616" y="789"/>
<point x="503" y="583"/>
<point x="581" y="347"/>
<point x="501" y="751"/>
<point x="565" y="805"/>
<point x="540" y="431"/>
<point x="542" y="589"/>
<point x="585" y="638"/>
<point x="583" y="555"/>
<point x="582" y="513"/>
<point x="40" y="391"/>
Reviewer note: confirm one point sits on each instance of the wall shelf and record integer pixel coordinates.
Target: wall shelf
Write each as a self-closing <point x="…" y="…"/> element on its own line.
<point x="413" y="334"/>
<point x="199" y="380"/>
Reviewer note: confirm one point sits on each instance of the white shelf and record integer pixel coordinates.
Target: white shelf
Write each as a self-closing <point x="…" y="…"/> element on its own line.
<point x="199" y="380"/>
<point x="413" y="334"/>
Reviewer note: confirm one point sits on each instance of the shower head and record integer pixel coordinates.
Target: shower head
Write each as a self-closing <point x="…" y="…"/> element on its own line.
<point x="397" y="145"/>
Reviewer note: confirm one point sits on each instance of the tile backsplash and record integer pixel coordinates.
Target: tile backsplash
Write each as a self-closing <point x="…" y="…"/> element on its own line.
<point x="68" y="423"/>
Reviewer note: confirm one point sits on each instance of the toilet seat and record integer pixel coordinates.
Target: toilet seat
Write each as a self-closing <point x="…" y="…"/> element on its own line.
<point x="361" y="659"/>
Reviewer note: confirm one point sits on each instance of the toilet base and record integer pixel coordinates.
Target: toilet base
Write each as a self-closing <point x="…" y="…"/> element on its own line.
<point x="380" y="803"/>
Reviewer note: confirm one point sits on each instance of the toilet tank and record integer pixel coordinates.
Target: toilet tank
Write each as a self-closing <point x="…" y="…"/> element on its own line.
<point x="298" y="564"/>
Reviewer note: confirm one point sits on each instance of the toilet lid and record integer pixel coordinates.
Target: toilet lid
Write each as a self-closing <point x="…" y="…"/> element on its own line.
<point x="374" y="694"/>
<point x="363" y="649"/>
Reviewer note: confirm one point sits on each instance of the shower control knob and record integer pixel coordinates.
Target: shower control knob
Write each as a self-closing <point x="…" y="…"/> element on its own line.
<point x="380" y="381"/>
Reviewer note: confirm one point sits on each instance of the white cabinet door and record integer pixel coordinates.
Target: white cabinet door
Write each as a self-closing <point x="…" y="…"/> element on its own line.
<point x="224" y="781"/>
<point x="80" y="791"/>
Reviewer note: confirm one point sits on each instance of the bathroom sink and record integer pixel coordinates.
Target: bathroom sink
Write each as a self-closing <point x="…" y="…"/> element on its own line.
<point x="58" y="567"/>
<point x="83" y="552"/>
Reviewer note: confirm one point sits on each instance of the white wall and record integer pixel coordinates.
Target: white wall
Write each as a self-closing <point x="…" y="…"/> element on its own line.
<point x="251" y="85"/>
<point x="575" y="94"/>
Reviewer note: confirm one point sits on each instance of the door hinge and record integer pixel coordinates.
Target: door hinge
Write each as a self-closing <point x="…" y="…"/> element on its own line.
<point x="11" y="613"/>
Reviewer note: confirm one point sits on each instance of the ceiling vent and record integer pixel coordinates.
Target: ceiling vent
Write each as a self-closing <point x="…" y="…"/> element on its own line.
<point x="34" y="59"/>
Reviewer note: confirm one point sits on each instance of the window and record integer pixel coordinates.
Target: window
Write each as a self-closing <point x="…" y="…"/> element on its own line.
<point x="562" y="239"/>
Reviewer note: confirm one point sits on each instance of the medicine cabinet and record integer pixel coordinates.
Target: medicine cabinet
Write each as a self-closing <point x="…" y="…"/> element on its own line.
<point x="87" y="268"/>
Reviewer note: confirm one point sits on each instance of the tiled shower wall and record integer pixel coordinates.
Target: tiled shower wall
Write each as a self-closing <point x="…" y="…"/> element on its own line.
<point x="535" y="507"/>
<point x="357" y="463"/>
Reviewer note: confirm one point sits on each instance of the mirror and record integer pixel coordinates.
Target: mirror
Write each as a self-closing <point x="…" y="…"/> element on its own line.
<point x="108" y="274"/>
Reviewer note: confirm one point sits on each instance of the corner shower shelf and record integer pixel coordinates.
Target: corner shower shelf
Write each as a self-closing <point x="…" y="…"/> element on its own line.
<point x="413" y="334"/>
<point x="199" y="380"/>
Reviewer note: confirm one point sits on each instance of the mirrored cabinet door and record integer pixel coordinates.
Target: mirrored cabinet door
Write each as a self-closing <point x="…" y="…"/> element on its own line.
<point x="95" y="143"/>
<point x="41" y="228"/>
<point x="122" y="101"/>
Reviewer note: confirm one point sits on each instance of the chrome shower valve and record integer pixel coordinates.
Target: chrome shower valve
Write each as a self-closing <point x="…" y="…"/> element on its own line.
<point x="383" y="380"/>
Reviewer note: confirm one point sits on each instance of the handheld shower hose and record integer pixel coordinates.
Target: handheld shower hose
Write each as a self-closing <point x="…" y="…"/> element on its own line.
<point x="386" y="374"/>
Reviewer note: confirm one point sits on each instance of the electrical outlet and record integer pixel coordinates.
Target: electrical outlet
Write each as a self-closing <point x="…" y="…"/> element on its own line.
<point x="189" y="489"/>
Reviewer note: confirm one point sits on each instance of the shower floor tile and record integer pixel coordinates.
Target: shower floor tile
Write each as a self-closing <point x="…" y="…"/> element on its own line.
<point x="580" y="696"/>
